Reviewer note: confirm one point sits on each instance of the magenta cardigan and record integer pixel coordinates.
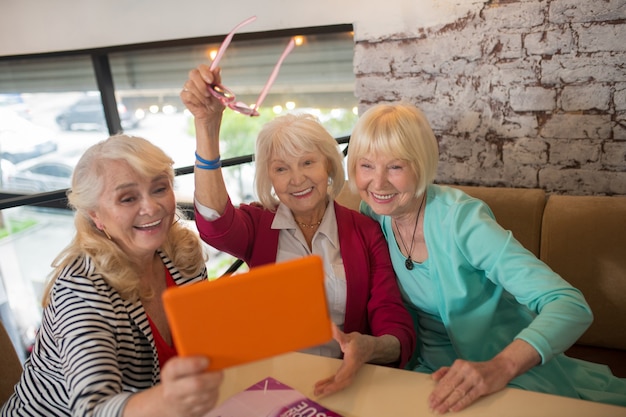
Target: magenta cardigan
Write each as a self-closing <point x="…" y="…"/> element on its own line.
<point x="374" y="305"/>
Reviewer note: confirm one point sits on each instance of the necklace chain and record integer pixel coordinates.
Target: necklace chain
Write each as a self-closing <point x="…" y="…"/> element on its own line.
<point x="408" y="263"/>
<point x="310" y="226"/>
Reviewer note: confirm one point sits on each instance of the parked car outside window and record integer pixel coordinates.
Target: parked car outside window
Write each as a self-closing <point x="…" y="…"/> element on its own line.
<point x="46" y="173"/>
<point x="88" y="114"/>
<point x="21" y="139"/>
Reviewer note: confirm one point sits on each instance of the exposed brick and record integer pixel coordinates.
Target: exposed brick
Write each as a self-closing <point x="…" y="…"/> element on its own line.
<point x="585" y="97"/>
<point x="533" y="99"/>
<point x="568" y="69"/>
<point x="374" y="89"/>
<point x="435" y="50"/>
<point x="619" y="133"/>
<point x="582" y="181"/>
<point x="528" y="93"/>
<point x="619" y="97"/>
<point x="567" y="11"/>
<point x="373" y="58"/>
<point x="464" y="173"/>
<point x="522" y="14"/>
<point x="442" y="117"/>
<point x="525" y="71"/>
<point x="577" y="126"/>
<point x="380" y="88"/>
<point x="601" y="38"/>
<point x="525" y="151"/>
<point x="619" y="129"/>
<point x="504" y="46"/>
<point x="614" y="155"/>
<point x="524" y="176"/>
<point x="488" y="155"/>
<point x="468" y="122"/>
<point x="515" y="126"/>
<point x="574" y="153"/>
<point x="549" y="42"/>
<point x="455" y="149"/>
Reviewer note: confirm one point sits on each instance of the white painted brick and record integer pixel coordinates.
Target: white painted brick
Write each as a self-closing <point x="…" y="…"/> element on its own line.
<point x="569" y="69"/>
<point x="442" y="117"/>
<point x="582" y="181"/>
<point x="614" y="155"/>
<point x="526" y="71"/>
<point x="619" y="96"/>
<point x="532" y="99"/>
<point x="488" y="155"/>
<point x="574" y="152"/>
<point x="522" y="14"/>
<point x="374" y="89"/>
<point x="619" y="129"/>
<point x="504" y="46"/>
<point x="514" y="126"/>
<point x="601" y="37"/>
<point x="528" y="93"/>
<point x="455" y="148"/>
<point x="373" y="58"/>
<point x="577" y="126"/>
<point x="525" y="151"/>
<point x="549" y="42"/>
<point x="585" y="97"/>
<point x="430" y="54"/>
<point x="519" y="175"/>
<point x="566" y="11"/>
<point x="468" y="122"/>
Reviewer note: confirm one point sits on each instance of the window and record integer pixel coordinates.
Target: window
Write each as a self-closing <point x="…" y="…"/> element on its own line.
<point x="54" y="106"/>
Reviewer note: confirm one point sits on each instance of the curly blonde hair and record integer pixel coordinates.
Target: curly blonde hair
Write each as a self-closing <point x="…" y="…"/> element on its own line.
<point x="182" y="245"/>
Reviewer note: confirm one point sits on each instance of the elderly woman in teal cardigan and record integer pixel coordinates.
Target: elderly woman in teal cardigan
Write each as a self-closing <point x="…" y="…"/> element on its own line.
<point x="488" y="313"/>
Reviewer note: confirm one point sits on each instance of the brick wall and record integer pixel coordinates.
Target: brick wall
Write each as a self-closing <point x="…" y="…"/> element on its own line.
<point x="519" y="93"/>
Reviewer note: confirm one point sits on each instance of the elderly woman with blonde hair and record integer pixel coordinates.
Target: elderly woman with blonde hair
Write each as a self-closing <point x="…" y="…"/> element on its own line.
<point x="488" y="312"/>
<point x="105" y="347"/>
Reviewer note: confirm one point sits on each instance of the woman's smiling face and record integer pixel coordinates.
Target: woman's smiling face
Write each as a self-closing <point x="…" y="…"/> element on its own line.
<point x="386" y="184"/>
<point x="300" y="182"/>
<point x="137" y="212"/>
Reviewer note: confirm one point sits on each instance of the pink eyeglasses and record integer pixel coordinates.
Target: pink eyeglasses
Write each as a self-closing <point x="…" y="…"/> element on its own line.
<point x="226" y="96"/>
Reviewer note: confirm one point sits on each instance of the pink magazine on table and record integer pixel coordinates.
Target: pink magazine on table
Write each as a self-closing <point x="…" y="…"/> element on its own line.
<point x="270" y="398"/>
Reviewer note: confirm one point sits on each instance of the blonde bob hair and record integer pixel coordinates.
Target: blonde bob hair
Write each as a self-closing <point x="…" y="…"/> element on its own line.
<point x="398" y="131"/>
<point x="182" y="246"/>
<point x="295" y="135"/>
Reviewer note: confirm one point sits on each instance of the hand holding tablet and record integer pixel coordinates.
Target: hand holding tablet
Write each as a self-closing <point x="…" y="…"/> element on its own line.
<point x="269" y="310"/>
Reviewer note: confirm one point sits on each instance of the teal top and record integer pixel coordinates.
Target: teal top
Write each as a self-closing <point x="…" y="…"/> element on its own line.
<point x="480" y="289"/>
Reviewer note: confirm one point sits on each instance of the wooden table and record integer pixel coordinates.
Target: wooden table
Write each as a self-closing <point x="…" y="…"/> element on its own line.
<point x="380" y="391"/>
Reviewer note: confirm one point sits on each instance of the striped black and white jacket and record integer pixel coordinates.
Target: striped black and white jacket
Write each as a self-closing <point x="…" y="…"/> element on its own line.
<point x="93" y="349"/>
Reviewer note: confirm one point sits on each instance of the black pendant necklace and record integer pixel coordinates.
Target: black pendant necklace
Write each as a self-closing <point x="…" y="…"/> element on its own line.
<point x="408" y="263"/>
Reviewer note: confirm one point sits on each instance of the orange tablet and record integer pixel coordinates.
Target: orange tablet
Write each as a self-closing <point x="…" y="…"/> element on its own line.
<point x="269" y="310"/>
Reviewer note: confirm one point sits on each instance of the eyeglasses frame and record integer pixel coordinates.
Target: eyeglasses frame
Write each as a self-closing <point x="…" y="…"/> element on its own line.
<point x="225" y="95"/>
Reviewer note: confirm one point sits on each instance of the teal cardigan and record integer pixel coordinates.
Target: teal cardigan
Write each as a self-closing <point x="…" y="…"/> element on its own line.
<point x="490" y="290"/>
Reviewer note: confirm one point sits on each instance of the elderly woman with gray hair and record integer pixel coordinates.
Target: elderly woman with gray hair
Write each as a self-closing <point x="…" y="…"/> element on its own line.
<point x="299" y="172"/>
